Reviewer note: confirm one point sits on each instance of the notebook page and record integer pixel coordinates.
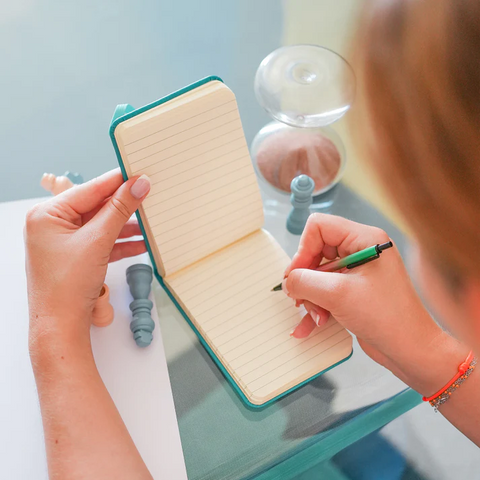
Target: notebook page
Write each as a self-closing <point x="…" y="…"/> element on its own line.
<point x="204" y="192"/>
<point x="228" y="297"/>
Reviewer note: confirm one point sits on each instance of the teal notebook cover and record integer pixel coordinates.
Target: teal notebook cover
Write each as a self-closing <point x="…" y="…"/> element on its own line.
<point x="125" y="112"/>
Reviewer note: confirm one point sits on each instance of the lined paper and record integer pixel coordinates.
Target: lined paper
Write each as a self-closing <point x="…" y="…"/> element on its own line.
<point x="228" y="297"/>
<point x="203" y="220"/>
<point x="204" y="192"/>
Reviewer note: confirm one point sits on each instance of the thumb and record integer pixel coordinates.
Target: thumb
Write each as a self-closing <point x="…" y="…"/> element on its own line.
<point x="325" y="289"/>
<point x="120" y="207"/>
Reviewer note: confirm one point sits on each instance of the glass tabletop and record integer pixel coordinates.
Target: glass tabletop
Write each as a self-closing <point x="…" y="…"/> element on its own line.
<point x="222" y="438"/>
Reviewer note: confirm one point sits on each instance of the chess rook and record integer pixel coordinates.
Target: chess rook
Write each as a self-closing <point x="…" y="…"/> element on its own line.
<point x="139" y="279"/>
<point x="302" y="189"/>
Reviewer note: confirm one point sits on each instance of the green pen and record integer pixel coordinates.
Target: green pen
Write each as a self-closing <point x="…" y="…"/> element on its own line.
<point x="351" y="261"/>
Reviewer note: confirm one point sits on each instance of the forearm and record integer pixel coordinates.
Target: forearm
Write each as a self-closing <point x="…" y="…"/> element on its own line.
<point x="85" y="436"/>
<point x="429" y="366"/>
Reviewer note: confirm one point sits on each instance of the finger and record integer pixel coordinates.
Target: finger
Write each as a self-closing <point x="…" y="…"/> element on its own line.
<point x="86" y="217"/>
<point x="113" y="216"/>
<point x="86" y="197"/>
<point x="304" y="328"/>
<point x="320" y="315"/>
<point x="330" y="252"/>
<point x="127" y="249"/>
<point x="348" y="237"/>
<point x="314" y="263"/>
<point x="131" y="229"/>
<point x="327" y="290"/>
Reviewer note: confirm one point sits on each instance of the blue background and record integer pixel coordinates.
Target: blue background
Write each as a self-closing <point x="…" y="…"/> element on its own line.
<point x="66" y="65"/>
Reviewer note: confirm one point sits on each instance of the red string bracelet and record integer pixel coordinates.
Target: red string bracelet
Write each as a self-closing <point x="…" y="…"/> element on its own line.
<point x="464" y="370"/>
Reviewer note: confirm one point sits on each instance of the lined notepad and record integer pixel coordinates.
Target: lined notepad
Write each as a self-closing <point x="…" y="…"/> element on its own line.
<point x="204" y="193"/>
<point x="203" y="220"/>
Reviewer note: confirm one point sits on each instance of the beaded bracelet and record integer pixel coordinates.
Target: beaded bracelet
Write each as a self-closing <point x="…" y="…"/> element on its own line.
<point x="464" y="371"/>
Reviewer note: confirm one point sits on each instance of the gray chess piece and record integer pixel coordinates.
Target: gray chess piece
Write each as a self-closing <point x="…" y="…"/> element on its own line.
<point x="302" y="189"/>
<point x="139" y="279"/>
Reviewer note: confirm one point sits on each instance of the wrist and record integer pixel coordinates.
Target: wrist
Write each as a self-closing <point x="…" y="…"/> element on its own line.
<point x="51" y="339"/>
<point x="432" y="363"/>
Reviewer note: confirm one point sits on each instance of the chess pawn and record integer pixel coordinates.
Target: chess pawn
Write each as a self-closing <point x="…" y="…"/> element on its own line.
<point x="301" y="198"/>
<point x="55" y="184"/>
<point x="139" y="279"/>
<point x="102" y="315"/>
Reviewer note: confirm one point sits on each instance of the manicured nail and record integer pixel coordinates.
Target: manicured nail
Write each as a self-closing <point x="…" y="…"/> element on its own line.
<point x="318" y="319"/>
<point x="284" y="287"/>
<point x="315" y="316"/>
<point x="141" y="187"/>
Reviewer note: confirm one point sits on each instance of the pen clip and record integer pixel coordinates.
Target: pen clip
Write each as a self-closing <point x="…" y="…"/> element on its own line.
<point x="362" y="262"/>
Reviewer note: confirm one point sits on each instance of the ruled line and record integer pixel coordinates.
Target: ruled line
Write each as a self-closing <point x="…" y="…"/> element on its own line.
<point x="168" y="146"/>
<point x="185" y="160"/>
<point x="231" y="237"/>
<point x="242" y="272"/>
<point x="206" y="174"/>
<point x="306" y="361"/>
<point x="262" y="299"/>
<point x="299" y="355"/>
<point x="236" y="292"/>
<point x="251" y="319"/>
<point x="190" y="240"/>
<point x="179" y="123"/>
<point x="295" y="347"/>
<point x="179" y="286"/>
<point x="249" y="174"/>
<point x="232" y="307"/>
<point x="225" y="154"/>
<point x="295" y="314"/>
<point x="153" y="225"/>
<point x="196" y="227"/>
<point x="229" y="204"/>
<point x="177" y="113"/>
<point x="264" y="323"/>
<point x="187" y="149"/>
<point x="289" y="339"/>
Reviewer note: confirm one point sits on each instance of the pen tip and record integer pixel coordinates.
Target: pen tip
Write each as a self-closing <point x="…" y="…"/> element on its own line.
<point x="276" y="288"/>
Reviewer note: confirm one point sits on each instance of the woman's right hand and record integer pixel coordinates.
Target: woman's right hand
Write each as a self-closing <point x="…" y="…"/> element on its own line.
<point x="376" y="301"/>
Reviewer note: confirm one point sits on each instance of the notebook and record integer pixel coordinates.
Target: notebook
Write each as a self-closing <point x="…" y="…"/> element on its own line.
<point x="202" y="221"/>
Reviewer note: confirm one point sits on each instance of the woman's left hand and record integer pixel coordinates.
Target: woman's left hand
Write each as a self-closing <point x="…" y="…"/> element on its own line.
<point x="69" y="241"/>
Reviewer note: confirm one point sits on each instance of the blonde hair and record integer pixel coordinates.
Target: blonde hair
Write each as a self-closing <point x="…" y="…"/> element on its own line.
<point x="418" y="69"/>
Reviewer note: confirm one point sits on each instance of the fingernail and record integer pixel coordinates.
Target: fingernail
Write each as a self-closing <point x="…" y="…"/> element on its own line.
<point x="284" y="286"/>
<point x="141" y="187"/>
<point x="293" y="331"/>
<point x="315" y="316"/>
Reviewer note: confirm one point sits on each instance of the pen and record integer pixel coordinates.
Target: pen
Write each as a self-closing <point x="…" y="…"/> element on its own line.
<point x="351" y="261"/>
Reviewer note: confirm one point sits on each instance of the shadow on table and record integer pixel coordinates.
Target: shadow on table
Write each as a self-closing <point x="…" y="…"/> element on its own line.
<point x="308" y="410"/>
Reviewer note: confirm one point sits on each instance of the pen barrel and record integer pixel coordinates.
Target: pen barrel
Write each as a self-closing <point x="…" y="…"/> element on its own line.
<point x="332" y="266"/>
<point x="355" y="258"/>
